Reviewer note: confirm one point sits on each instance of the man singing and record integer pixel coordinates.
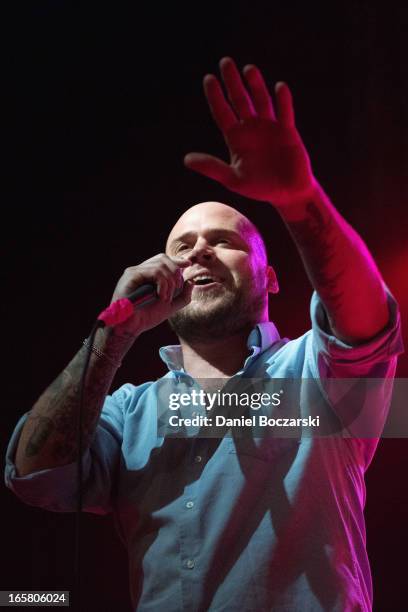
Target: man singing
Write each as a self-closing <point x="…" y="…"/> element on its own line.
<point x="230" y="523"/>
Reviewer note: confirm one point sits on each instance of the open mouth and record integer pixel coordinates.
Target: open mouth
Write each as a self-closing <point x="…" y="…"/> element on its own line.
<point x="204" y="280"/>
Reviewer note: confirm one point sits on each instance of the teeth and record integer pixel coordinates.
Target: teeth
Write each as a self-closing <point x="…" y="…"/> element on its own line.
<point x="201" y="278"/>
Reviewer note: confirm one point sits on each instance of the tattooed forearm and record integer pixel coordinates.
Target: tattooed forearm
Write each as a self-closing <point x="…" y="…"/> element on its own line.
<point x="39" y="436"/>
<point x="49" y="436"/>
<point x="340" y="268"/>
<point x="319" y="243"/>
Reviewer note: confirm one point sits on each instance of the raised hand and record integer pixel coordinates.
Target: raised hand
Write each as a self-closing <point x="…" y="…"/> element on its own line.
<point x="268" y="160"/>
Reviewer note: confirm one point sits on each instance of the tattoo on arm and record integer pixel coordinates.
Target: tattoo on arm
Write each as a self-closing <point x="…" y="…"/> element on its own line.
<point x="318" y="240"/>
<point x="39" y="436"/>
<point x="53" y="421"/>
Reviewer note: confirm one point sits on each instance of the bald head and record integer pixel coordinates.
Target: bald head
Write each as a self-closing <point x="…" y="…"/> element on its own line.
<point x="213" y="216"/>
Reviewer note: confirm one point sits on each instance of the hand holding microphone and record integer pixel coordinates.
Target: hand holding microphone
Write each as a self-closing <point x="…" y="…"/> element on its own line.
<point x="157" y="290"/>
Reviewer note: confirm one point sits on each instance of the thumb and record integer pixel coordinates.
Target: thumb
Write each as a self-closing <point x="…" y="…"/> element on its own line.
<point x="210" y="166"/>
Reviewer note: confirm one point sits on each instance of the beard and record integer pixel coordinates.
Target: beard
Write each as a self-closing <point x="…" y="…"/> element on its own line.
<point x="219" y="313"/>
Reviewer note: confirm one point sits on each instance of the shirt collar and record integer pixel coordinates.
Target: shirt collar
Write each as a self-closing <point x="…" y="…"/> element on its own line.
<point x="259" y="340"/>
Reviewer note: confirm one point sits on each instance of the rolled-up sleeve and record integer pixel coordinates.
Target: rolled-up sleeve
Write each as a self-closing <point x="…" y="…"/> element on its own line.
<point x="357" y="381"/>
<point x="374" y="358"/>
<point x="56" y="489"/>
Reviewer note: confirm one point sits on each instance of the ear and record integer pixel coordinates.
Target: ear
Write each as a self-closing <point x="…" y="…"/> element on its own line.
<point x="272" y="283"/>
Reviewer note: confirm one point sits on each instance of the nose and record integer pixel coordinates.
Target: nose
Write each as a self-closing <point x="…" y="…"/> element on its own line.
<point x="201" y="252"/>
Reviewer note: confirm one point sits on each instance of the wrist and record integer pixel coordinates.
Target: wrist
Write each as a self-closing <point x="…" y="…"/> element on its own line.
<point x="296" y="206"/>
<point x="113" y="343"/>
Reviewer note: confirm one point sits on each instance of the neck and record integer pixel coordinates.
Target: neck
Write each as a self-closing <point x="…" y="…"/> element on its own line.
<point x="218" y="358"/>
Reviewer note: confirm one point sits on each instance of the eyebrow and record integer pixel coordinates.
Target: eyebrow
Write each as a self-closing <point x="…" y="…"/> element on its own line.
<point x="210" y="233"/>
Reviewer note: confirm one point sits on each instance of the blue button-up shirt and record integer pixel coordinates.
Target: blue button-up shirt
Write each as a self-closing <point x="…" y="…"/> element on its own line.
<point x="227" y="523"/>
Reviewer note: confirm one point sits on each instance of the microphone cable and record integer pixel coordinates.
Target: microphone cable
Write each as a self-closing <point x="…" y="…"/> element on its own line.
<point x="118" y="312"/>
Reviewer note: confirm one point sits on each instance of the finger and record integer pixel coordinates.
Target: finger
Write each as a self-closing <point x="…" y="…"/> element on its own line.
<point x="221" y="111"/>
<point x="165" y="279"/>
<point x="210" y="166"/>
<point x="237" y="93"/>
<point x="160" y="270"/>
<point x="177" y="272"/>
<point x="162" y="284"/>
<point x="286" y="114"/>
<point x="175" y="264"/>
<point x="160" y="289"/>
<point x="180" y="262"/>
<point x="174" y="277"/>
<point x="156" y="271"/>
<point x="259" y="92"/>
<point x="178" y="279"/>
<point x="184" y="298"/>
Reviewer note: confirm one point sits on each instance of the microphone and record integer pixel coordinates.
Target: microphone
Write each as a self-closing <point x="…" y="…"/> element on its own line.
<point x="122" y="309"/>
<point x="147" y="294"/>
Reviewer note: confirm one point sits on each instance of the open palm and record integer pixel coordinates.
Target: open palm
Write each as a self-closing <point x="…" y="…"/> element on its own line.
<point x="268" y="160"/>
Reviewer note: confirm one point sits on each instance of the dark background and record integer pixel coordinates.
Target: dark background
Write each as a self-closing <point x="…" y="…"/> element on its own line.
<point x="102" y="103"/>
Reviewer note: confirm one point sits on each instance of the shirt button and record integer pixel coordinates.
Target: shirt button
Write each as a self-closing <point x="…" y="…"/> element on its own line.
<point x="189" y="504"/>
<point x="190" y="563"/>
<point x="198" y="458"/>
